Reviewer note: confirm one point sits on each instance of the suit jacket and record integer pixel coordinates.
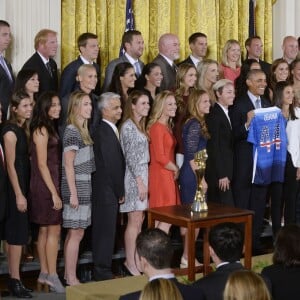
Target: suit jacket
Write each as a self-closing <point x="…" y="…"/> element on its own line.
<point x="219" y="147"/>
<point x="6" y="88"/>
<point x="68" y="82"/>
<point x="284" y="281"/>
<point x="243" y="150"/>
<point x="110" y="70"/>
<point x="188" y="60"/>
<point x="266" y="67"/>
<point x="169" y="73"/>
<point x="214" y="283"/>
<point x="47" y="82"/>
<point x="110" y="164"/>
<point x="188" y="292"/>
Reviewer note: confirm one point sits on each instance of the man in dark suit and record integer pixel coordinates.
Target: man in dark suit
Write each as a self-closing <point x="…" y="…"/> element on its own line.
<point x="45" y="44"/>
<point x="169" y="47"/>
<point x="226" y="242"/>
<point x="219" y="165"/>
<point x="107" y="185"/>
<point x="6" y="73"/>
<point x="254" y="47"/>
<point x="290" y="48"/>
<point x="89" y="49"/>
<point x="198" y="46"/>
<point x="154" y="254"/>
<point x="247" y="195"/>
<point x="133" y="44"/>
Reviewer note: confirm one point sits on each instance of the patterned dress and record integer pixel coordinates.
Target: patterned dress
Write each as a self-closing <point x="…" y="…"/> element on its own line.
<point x="84" y="165"/>
<point x="136" y="152"/>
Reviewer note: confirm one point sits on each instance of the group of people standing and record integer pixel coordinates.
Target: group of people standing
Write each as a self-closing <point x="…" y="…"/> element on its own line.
<point x="117" y="150"/>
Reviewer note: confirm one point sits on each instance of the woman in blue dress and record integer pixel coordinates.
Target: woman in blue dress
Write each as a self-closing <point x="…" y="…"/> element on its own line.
<point x="194" y="138"/>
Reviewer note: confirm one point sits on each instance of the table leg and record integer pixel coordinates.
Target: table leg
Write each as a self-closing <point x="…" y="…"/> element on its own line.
<point x="191" y="252"/>
<point x="248" y="242"/>
<point x="206" y="256"/>
<point x="151" y="221"/>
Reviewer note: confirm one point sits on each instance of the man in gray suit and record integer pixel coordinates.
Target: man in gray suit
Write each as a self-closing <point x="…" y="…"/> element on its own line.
<point x="169" y="47"/>
<point x="133" y="43"/>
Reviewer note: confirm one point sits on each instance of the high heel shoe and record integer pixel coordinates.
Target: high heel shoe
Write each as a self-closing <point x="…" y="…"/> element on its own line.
<point x="126" y="271"/>
<point x="17" y="289"/>
<point x="55" y="284"/>
<point x="184" y="263"/>
<point x="41" y="283"/>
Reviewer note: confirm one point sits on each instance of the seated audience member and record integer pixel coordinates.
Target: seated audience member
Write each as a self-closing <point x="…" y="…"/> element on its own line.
<point x="133" y="44"/>
<point x="230" y="66"/>
<point x="169" y="47"/>
<point x="198" y="46"/>
<point x="123" y="80"/>
<point x="88" y="47"/>
<point x="254" y="47"/>
<point x="45" y="44"/>
<point x="246" y="285"/>
<point x="226" y="242"/>
<point x="160" y="289"/>
<point x="290" y="48"/>
<point x="150" y="81"/>
<point x="284" y="273"/>
<point x="219" y="165"/>
<point x="154" y="254"/>
<point x="208" y="73"/>
<point x="87" y="80"/>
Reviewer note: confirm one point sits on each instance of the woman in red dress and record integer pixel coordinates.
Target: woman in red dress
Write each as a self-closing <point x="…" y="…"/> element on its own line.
<point x="163" y="172"/>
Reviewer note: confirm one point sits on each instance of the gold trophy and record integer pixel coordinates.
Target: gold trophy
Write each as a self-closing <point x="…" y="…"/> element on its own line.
<point x="199" y="204"/>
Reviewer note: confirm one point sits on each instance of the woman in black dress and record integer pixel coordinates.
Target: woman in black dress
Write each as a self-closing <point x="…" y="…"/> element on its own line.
<point x="45" y="202"/>
<point x="15" y="136"/>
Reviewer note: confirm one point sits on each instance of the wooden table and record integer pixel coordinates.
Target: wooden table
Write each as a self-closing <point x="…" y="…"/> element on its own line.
<point x="181" y="215"/>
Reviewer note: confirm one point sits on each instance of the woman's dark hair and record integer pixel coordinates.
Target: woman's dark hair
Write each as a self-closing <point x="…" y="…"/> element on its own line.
<point x="278" y="97"/>
<point x="141" y="81"/>
<point x="22" y="78"/>
<point x="293" y="66"/>
<point x="115" y="84"/>
<point x="240" y="82"/>
<point x="287" y="246"/>
<point x="40" y="117"/>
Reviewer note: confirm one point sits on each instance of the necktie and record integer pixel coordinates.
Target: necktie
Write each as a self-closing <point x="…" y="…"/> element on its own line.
<point x="117" y="134"/>
<point x="174" y="68"/>
<point x="137" y="69"/>
<point x="5" y="67"/>
<point x="257" y="103"/>
<point x="49" y="68"/>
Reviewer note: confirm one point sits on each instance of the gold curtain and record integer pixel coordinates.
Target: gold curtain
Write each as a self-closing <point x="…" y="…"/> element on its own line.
<point x="219" y="19"/>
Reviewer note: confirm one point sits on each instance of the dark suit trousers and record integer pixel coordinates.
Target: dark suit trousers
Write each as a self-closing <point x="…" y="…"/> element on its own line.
<point x="103" y="235"/>
<point x="258" y="205"/>
<point x="276" y="206"/>
<point x="214" y="194"/>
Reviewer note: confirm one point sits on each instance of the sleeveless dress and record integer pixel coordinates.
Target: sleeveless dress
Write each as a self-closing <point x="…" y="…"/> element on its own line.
<point x="163" y="189"/>
<point x="84" y="165"/>
<point x="16" y="226"/>
<point x="41" y="209"/>
<point x="193" y="142"/>
<point x="136" y="152"/>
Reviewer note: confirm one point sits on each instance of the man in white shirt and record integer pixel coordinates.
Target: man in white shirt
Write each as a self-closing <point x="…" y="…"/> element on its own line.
<point x="290" y="48"/>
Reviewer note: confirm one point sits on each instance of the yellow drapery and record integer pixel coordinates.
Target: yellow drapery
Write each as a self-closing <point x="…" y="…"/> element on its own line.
<point x="220" y="20"/>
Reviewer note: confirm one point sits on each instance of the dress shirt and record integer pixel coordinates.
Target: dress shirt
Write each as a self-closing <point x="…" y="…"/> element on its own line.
<point x="5" y="67"/>
<point x="195" y="60"/>
<point x="113" y="127"/>
<point x="253" y="98"/>
<point x="170" y="62"/>
<point x="165" y="276"/>
<point x="85" y="61"/>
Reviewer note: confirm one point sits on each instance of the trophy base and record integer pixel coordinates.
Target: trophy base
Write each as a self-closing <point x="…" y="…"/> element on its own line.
<point x="199" y="206"/>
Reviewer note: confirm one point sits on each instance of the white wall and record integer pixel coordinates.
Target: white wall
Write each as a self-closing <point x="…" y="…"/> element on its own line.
<point x="286" y="21"/>
<point x="26" y="18"/>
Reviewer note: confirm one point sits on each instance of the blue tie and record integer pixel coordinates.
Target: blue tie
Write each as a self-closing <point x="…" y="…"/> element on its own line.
<point x="5" y="67"/>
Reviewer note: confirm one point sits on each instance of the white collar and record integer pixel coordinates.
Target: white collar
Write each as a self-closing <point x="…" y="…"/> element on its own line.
<point x="170" y="62"/>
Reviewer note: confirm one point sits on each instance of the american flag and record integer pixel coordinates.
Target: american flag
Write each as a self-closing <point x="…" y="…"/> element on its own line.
<point x="129" y="21"/>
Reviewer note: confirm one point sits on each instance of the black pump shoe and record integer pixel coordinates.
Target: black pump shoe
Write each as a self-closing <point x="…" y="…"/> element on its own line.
<point x="26" y="288"/>
<point x="16" y="288"/>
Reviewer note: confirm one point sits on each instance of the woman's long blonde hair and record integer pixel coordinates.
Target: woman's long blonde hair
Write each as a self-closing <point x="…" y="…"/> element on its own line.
<point x="75" y="102"/>
<point x="245" y="285"/>
<point x="157" y="108"/>
<point x="193" y="111"/>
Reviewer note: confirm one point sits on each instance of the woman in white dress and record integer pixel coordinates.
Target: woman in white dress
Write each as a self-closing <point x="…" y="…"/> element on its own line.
<point x="134" y="143"/>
